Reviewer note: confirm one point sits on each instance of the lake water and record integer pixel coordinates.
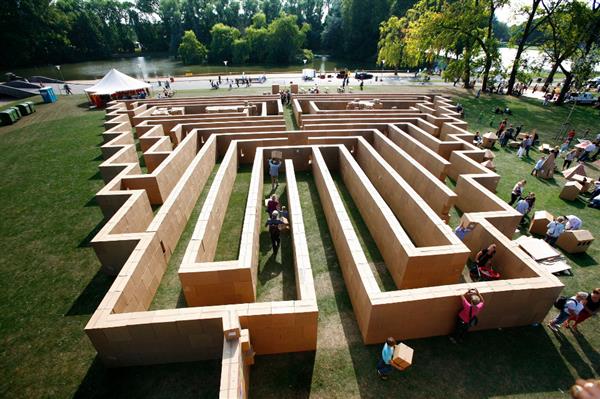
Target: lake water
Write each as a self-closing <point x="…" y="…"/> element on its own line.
<point x="151" y="67"/>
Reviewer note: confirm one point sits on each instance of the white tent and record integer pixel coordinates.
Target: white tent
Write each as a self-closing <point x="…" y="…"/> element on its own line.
<point x="116" y="82"/>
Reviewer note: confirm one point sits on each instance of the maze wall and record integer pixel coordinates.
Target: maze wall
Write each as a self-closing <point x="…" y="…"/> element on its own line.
<point x="394" y="155"/>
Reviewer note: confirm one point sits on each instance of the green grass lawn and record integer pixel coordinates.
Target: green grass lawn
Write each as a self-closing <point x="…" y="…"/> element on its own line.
<point x="50" y="283"/>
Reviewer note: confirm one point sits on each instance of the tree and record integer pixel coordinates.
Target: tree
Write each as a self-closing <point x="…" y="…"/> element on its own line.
<point x="241" y="51"/>
<point x="191" y="51"/>
<point x="286" y="39"/>
<point x="360" y="23"/>
<point x="258" y="42"/>
<point x="535" y="18"/>
<point x="391" y="41"/>
<point x="221" y="43"/>
<point x="332" y="37"/>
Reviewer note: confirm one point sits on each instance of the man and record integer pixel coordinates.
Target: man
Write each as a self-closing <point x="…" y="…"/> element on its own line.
<point x="362" y="84"/>
<point x="273" y="225"/>
<point x="555" y="229"/>
<point x="274" y="165"/>
<point x="384" y="366"/>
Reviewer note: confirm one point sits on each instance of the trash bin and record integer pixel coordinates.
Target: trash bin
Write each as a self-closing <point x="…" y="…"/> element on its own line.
<point x="24" y="109"/>
<point x="17" y="111"/>
<point x="48" y="95"/>
<point x="8" y="117"/>
<point x="31" y="105"/>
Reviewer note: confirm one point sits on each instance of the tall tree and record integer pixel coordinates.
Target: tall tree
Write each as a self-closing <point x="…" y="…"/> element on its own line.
<point x="536" y="16"/>
<point x="221" y="43"/>
<point x="360" y="22"/>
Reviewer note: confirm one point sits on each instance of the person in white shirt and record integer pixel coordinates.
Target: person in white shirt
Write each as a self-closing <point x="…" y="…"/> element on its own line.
<point x="573" y="222"/>
<point x="572" y="307"/>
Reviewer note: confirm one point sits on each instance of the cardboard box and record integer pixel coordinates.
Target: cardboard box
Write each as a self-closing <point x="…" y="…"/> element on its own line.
<point x="276" y="155"/>
<point x="403" y="355"/>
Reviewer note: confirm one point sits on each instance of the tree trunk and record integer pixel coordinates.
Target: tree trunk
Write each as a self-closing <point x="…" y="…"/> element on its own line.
<point x="551" y="75"/>
<point x="521" y="47"/>
<point x="565" y="89"/>
<point x="486" y="71"/>
<point x="467" y="69"/>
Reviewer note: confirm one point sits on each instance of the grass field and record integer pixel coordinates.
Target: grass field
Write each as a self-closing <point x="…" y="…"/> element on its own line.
<point x="50" y="283"/>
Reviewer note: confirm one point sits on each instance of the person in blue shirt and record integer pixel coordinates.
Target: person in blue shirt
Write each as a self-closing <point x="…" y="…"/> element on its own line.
<point x="274" y="165"/>
<point x="384" y="366"/>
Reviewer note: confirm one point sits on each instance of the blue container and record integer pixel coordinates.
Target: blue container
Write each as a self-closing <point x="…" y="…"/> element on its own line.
<point x="48" y="95"/>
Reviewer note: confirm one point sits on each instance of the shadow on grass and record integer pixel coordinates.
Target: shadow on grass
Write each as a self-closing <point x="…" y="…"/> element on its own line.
<point x="589" y="351"/>
<point x="570" y="354"/>
<point x="273" y="268"/>
<point x="466" y="369"/>
<point x="284" y="375"/>
<point x="89" y="299"/>
<point x="178" y="380"/>
<point x="90" y="236"/>
<point x="581" y="259"/>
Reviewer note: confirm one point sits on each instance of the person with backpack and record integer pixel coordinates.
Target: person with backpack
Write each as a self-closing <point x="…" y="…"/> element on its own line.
<point x="472" y="304"/>
<point x="273" y="225"/>
<point x="568" y="307"/>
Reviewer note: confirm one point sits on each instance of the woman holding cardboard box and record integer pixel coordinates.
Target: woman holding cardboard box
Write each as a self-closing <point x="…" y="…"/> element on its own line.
<point x="472" y="304"/>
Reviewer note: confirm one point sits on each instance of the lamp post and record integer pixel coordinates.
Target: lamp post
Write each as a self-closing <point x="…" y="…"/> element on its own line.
<point x="382" y="66"/>
<point x="225" y="62"/>
<point x="60" y="71"/>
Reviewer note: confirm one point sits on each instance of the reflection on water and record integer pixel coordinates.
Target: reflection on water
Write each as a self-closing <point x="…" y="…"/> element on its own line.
<point x="152" y="67"/>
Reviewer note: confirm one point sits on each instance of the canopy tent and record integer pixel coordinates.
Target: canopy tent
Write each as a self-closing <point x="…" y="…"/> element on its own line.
<point x="115" y="85"/>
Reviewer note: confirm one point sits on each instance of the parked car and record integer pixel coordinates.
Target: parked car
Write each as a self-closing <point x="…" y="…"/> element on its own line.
<point x="593" y="83"/>
<point x="342" y="74"/>
<point x="582" y="98"/>
<point x="362" y="75"/>
<point x="308" y="74"/>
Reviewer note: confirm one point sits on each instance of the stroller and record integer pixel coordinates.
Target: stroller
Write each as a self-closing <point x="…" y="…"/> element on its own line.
<point x="483" y="273"/>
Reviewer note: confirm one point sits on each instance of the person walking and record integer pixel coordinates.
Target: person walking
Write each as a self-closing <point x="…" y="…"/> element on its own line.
<point x="272" y="204"/>
<point x="528" y="143"/>
<point x="362" y="84"/>
<point x="472" y="304"/>
<point x="569" y="158"/>
<point x="590" y="308"/>
<point x="554" y="229"/>
<point x="517" y="191"/>
<point x="572" y="307"/>
<point x="384" y="365"/>
<point x="274" y="165"/>
<point x="274" y="232"/>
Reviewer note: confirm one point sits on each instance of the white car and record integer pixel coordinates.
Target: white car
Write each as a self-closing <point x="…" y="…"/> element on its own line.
<point x="582" y="98"/>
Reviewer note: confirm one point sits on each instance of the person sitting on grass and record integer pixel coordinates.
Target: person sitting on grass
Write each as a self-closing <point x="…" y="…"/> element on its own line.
<point x="573" y="306"/>
<point x="538" y="166"/>
<point x="472" y="304"/>
<point x="384" y="366"/>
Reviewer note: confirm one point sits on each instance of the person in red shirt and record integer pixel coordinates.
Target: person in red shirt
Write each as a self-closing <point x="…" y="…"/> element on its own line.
<point x="571" y="135"/>
<point x="472" y="304"/>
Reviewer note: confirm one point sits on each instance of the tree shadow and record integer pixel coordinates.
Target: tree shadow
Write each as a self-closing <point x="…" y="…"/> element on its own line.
<point x="87" y="302"/>
<point x="178" y="380"/>
<point x="589" y="350"/>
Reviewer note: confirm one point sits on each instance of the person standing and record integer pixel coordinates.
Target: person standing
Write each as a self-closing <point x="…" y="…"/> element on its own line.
<point x="274" y="165"/>
<point x="362" y="84"/>
<point x="384" y="365"/>
<point x="571" y="135"/>
<point x="472" y="304"/>
<point x="272" y="204"/>
<point x="590" y="308"/>
<point x="530" y="201"/>
<point x="572" y="307"/>
<point x="273" y="226"/>
<point x="522" y="208"/>
<point x="555" y="229"/>
<point x="569" y="158"/>
<point x="528" y="143"/>
<point x="517" y="191"/>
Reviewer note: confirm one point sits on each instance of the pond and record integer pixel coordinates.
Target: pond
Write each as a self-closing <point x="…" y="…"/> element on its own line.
<point x="150" y="67"/>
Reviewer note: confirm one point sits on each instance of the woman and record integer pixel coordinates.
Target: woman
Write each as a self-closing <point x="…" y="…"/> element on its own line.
<point x="472" y="304"/>
<point x="484" y="257"/>
<point x="569" y="158"/>
<point x="590" y="308"/>
<point x="517" y="191"/>
<point x="272" y="205"/>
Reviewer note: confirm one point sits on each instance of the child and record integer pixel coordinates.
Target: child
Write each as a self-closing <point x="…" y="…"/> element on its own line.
<point x="538" y="166"/>
<point x="384" y="366"/>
